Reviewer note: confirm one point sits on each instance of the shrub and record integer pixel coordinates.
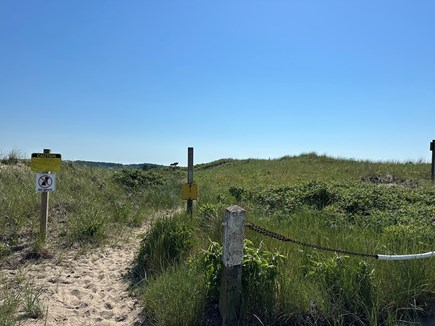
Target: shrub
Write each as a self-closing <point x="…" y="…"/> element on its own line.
<point x="260" y="269"/>
<point x="237" y="192"/>
<point x="138" y="178"/>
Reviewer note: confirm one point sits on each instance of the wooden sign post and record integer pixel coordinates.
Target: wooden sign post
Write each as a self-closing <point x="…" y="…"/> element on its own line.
<point x="432" y="148"/>
<point x="45" y="197"/>
<point x="190" y="178"/>
<point x="44" y="163"/>
<point x="189" y="191"/>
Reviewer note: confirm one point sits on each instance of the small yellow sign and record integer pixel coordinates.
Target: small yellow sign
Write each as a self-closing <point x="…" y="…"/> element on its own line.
<point x="189" y="191"/>
<point x="45" y="162"/>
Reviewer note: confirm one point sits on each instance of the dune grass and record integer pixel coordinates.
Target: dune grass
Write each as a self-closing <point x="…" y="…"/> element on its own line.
<point x="372" y="207"/>
<point x="90" y="207"/>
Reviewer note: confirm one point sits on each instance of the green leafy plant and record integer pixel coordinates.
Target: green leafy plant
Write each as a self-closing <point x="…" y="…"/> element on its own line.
<point x="260" y="270"/>
<point x="237" y="192"/>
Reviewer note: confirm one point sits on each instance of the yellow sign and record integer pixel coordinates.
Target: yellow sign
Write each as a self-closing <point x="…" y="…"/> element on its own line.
<point x="189" y="191"/>
<point x="45" y="162"/>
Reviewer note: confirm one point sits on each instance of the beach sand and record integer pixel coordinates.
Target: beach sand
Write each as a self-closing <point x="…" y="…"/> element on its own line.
<point x="85" y="289"/>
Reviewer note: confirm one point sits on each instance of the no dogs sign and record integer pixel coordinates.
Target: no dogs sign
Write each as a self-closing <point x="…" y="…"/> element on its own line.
<point x="45" y="182"/>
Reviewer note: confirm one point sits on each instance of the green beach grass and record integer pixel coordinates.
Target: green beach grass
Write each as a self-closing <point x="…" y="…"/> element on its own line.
<point x="362" y="206"/>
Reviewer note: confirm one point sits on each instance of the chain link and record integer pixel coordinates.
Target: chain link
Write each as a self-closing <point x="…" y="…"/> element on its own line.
<point x="282" y="238"/>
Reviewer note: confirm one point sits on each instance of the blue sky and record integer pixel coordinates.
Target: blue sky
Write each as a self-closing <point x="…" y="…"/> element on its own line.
<point x="140" y="81"/>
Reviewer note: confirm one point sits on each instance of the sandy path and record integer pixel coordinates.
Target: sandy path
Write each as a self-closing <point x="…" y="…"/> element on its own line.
<point x="89" y="289"/>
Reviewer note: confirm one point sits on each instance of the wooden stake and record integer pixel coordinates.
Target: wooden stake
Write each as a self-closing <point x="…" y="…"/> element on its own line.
<point x="190" y="178"/>
<point x="45" y="197"/>
<point x="432" y="148"/>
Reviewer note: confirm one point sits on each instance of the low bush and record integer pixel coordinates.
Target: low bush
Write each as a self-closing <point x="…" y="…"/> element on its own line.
<point x="259" y="273"/>
<point x="138" y="178"/>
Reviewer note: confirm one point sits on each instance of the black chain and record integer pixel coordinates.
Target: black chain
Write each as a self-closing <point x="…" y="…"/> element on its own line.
<point x="282" y="238"/>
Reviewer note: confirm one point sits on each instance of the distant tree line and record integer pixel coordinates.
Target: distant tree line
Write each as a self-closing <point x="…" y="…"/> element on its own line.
<point x="141" y="166"/>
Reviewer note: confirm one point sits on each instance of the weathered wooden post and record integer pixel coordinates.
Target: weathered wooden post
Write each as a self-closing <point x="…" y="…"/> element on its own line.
<point x="45" y="197"/>
<point x="231" y="285"/>
<point x="45" y="163"/>
<point x="190" y="177"/>
<point x="432" y="148"/>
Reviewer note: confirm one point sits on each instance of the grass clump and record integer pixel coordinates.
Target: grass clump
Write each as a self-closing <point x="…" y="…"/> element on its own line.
<point x="18" y="297"/>
<point x="348" y="287"/>
<point x="30" y="301"/>
<point x="8" y="309"/>
<point x="15" y="156"/>
<point x="177" y="297"/>
<point x="89" y="226"/>
<point x="168" y="242"/>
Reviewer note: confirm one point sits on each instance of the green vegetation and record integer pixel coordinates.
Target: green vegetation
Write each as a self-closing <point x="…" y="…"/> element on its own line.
<point x="369" y="207"/>
<point x="91" y="207"/>
<point x="18" y="297"/>
<point x="168" y="241"/>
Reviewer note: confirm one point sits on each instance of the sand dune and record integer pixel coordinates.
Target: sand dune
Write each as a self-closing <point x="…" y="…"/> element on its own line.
<point x="88" y="289"/>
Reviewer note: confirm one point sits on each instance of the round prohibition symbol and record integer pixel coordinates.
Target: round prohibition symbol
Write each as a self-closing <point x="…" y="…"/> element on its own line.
<point x="45" y="181"/>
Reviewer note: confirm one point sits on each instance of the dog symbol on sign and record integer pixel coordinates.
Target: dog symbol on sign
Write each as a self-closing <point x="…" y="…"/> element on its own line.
<point x="45" y="181"/>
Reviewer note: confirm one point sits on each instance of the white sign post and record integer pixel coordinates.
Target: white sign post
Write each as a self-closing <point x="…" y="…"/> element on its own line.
<point x="45" y="182"/>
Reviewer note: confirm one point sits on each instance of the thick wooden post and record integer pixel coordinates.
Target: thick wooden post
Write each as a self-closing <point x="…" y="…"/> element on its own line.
<point x="45" y="197"/>
<point x="230" y="297"/>
<point x="190" y="178"/>
<point x="432" y="148"/>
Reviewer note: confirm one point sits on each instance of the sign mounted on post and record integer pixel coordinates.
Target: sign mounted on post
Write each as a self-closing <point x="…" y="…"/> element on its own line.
<point x="189" y="191"/>
<point x="41" y="162"/>
<point x="45" y="182"/>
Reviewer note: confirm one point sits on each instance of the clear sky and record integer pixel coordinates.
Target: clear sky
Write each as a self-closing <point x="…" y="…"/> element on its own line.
<point x="140" y="81"/>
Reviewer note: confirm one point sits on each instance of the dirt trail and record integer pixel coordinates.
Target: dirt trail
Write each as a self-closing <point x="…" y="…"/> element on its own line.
<point x="88" y="289"/>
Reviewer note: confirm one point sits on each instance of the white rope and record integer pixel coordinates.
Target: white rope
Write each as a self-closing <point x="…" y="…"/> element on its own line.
<point x="407" y="257"/>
